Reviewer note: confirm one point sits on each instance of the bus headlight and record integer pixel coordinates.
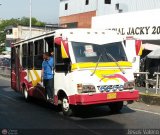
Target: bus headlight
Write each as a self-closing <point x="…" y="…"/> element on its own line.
<point x="85" y="88"/>
<point x="129" y="85"/>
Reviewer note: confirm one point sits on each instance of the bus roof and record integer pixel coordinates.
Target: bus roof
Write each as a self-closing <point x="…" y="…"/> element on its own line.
<point x="33" y="38"/>
<point x="90" y="35"/>
<point x="80" y="35"/>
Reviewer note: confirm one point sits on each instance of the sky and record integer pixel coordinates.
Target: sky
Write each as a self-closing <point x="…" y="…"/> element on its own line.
<point x="44" y="10"/>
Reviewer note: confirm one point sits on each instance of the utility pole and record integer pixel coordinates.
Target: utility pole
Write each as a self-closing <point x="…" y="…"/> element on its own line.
<point x="30" y="19"/>
<point x="0" y="18"/>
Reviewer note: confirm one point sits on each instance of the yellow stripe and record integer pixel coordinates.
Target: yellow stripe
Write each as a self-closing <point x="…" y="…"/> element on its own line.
<point x="102" y="64"/>
<point x="140" y="51"/>
<point x="37" y="76"/>
<point x="38" y="79"/>
<point x="30" y="75"/>
<point x="101" y="73"/>
<point x="64" y="53"/>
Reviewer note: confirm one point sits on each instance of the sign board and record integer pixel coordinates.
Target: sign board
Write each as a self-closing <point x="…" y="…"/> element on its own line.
<point x="143" y="25"/>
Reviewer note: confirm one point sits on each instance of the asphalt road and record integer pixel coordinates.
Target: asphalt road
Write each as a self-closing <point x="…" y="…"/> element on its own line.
<point x="36" y="117"/>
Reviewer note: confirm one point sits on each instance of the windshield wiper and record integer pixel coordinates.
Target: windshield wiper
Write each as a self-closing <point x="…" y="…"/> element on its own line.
<point x="100" y="56"/>
<point x="109" y="55"/>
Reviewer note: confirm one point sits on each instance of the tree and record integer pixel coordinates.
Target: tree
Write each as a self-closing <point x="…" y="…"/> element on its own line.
<point x="24" y="21"/>
<point x="2" y="48"/>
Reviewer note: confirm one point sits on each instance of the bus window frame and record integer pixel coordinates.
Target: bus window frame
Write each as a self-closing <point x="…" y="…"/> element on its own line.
<point x="30" y="55"/>
<point x="65" y="65"/>
<point x="25" y="55"/>
<point x="39" y="54"/>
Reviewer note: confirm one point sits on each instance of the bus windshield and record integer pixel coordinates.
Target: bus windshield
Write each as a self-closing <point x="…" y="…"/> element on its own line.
<point x="87" y="52"/>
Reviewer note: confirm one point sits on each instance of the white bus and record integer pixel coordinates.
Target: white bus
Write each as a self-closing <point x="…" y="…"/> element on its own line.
<point x="90" y="67"/>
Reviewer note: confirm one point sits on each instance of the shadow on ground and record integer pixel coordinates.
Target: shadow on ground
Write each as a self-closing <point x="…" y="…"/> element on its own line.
<point x="79" y="112"/>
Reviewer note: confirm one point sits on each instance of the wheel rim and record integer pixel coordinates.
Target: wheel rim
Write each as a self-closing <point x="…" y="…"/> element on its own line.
<point x="25" y="94"/>
<point x="65" y="105"/>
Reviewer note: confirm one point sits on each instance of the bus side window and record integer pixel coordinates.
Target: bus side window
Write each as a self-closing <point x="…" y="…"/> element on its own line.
<point x="30" y="55"/>
<point x="49" y="46"/>
<point x="38" y="54"/>
<point x="24" y="56"/>
<point x="61" y="65"/>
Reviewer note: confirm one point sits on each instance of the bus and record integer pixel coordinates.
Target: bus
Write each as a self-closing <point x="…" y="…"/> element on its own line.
<point x="90" y="68"/>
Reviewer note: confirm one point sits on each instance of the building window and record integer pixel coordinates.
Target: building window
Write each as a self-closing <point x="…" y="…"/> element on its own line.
<point x="87" y="2"/>
<point x="117" y="6"/>
<point x="66" y="6"/>
<point x="107" y="1"/>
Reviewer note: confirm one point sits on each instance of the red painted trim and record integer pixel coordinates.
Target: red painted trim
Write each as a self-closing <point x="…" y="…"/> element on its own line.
<point x="56" y="100"/>
<point x="100" y="98"/>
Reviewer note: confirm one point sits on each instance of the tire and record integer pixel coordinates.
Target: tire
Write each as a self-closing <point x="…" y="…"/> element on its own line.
<point x="66" y="108"/>
<point x="116" y="107"/>
<point x="25" y="94"/>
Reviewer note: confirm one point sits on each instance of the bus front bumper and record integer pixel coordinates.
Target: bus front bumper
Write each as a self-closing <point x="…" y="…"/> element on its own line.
<point x="102" y="98"/>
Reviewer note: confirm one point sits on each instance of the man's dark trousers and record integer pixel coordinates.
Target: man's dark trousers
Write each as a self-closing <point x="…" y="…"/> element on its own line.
<point x="48" y="84"/>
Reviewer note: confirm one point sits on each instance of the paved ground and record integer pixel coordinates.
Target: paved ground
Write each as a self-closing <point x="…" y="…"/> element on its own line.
<point x="149" y="91"/>
<point x="36" y="117"/>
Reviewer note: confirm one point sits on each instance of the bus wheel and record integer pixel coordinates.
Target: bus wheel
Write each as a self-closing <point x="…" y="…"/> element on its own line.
<point x="25" y="94"/>
<point x="66" y="108"/>
<point x="116" y="107"/>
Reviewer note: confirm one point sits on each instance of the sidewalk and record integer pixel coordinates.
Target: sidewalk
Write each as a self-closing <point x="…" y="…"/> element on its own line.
<point x="150" y="97"/>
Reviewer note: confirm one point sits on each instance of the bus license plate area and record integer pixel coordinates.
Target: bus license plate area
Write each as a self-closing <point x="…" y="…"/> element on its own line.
<point x="111" y="95"/>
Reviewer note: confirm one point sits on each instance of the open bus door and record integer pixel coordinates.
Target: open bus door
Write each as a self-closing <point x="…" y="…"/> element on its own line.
<point x="49" y="47"/>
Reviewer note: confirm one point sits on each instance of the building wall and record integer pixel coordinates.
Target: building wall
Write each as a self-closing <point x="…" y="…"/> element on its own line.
<point x="24" y="32"/>
<point x="81" y="14"/>
<point x="83" y="20"/>
<point x="76" y="7"/>
<point x="126" y="6"/>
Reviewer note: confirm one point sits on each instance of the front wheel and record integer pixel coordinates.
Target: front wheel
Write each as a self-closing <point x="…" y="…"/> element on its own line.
<point x="66" y="108"/>
<point x="116" y="107"/>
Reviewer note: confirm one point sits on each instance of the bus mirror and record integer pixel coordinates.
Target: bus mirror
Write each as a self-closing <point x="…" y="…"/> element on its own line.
<point x="64" y="46"/>
<point x="139" y="48"/>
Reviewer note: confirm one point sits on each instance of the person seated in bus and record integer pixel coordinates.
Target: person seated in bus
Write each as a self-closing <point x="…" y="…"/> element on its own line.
<point x="47" y="74"/>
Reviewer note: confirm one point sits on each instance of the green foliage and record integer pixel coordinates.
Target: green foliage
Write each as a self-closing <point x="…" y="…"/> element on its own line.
<point x="2" y="49"/>
<point x="24" y="21"/>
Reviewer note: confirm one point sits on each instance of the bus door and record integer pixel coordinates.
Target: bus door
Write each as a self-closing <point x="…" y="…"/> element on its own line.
<point x="17" y="67"/>
<point x="49" y="47"/>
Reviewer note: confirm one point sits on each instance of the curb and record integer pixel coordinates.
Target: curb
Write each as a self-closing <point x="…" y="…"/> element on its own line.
<point x="150" y="99"/>
<point x="7" y="78"/>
